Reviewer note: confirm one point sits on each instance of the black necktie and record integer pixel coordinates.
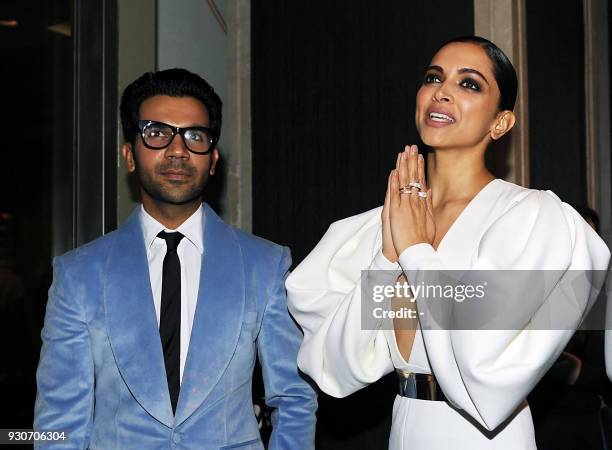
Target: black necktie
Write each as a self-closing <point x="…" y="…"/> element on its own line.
<point x="170" y="314"/>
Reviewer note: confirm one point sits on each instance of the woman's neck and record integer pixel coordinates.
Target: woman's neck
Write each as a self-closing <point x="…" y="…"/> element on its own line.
<point x="456" y="175"/>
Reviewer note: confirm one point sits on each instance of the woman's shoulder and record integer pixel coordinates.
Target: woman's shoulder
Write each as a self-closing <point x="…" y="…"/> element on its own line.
<point x="364" y="225"/>
<point x="540" y="221"/>
<point x="511" y="194"/>
<point x="366" y="217"/>
<point x="526" y="207"/>
<point x="348" y="246"/>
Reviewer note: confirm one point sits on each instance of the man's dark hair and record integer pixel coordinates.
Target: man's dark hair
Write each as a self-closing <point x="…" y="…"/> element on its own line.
<point x="171" y="82"/>
<point x="503" y="70"/>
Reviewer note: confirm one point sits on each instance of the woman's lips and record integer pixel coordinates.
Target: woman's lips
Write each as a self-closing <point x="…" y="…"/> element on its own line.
<point x="439" y="119"/>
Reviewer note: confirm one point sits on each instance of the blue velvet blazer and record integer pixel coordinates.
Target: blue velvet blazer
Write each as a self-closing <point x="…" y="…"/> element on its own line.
<point x="101" y="375"/>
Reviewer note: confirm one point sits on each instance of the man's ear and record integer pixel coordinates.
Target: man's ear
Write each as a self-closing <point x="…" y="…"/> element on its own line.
<point x="128" y="155"/>
<point x="214" y="157"/>
<point x="503" y="123"/>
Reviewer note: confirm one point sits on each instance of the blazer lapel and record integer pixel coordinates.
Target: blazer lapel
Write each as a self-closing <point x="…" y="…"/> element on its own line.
<point x="132" y="324"/>
<point x="218" y="315"/>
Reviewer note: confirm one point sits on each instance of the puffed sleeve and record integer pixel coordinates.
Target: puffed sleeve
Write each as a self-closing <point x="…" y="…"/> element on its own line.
<point x="489" y="372"/>
<point x="324" y="298"/>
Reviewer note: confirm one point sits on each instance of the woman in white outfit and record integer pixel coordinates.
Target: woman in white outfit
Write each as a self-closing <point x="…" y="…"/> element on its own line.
<point x="467" y="219"/>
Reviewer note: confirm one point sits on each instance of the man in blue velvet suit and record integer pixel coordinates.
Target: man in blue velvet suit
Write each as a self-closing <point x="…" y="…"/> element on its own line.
<point x="152" y="331"/>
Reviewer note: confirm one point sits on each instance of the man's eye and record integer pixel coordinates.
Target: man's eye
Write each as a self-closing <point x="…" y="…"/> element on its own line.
<point x="195" y="136"/>
<point x="470" y="84"/>
<point x="432" y="78"/>
<point x="156" y="133"/>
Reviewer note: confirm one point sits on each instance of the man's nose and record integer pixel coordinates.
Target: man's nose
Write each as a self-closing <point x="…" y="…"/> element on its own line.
<point x="177" y="148"/>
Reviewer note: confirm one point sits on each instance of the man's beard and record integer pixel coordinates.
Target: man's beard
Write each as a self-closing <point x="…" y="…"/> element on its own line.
<point x="177" y="196"/>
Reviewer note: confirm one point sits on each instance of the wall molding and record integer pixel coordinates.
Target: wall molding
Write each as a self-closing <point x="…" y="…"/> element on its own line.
<point x="239" y="201"/>
<point x="504" y="23"/>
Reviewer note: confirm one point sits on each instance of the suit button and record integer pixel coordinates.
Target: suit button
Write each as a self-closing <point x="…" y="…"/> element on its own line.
<point x="176" y="438"/>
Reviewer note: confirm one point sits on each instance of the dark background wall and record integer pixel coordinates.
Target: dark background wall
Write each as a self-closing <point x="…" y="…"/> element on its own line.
<point x="57" y="188"/>
<point x="556" y="98"/>
<point x="333" y="87"/>
<point x="36" y="100"/>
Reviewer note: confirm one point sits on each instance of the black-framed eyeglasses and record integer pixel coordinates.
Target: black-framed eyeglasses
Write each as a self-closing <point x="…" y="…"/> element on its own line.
<point x="158" y="135"/>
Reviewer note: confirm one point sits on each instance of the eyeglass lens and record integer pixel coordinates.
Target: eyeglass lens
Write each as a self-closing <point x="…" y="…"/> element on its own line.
<point x="158" y="135"/>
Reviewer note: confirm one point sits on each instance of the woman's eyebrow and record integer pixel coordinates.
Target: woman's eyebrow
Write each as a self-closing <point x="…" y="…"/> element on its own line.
<point x="468" y="70"/>
<point x="436" y="68"/>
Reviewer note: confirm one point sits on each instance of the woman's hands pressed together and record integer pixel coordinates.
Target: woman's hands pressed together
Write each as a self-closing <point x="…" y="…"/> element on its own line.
<point x="388" y="248"/>
<point x="408" y="212"/>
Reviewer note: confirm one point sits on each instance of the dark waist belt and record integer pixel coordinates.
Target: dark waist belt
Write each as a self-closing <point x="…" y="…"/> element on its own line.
<point x="421" y="386"/>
